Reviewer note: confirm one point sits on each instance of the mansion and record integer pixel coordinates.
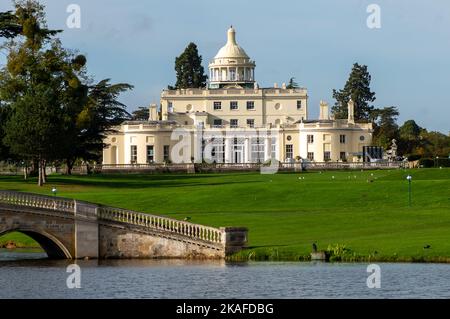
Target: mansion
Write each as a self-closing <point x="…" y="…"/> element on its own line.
<point x="233" y="120"/>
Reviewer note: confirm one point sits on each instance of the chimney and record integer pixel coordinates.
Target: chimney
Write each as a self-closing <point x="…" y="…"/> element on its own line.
<point x="324" y="111"/>
<point x="153" y="112"/>
<point x="351" y="112"/>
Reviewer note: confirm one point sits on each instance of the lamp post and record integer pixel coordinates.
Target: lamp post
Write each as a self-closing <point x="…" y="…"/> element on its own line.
<point x="54" y="191"/>
<point x="409" y="178"/>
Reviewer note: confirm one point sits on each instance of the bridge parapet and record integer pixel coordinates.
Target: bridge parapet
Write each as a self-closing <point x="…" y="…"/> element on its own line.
<point x="37" y="201"/>
<point x="90" y="219"/>
<point x="194" y="231"/>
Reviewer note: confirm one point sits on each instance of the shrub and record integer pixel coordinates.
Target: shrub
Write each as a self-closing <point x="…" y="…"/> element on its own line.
<point x="443" y="162"/>
<point x="431" y="162"/>
<point x="426" y="162"/>
<point x="338" y="252"/>
<point x="414" y="157"/>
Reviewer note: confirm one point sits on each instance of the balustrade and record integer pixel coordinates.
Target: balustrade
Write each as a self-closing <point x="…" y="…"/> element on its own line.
<point x="37" y="201"/>
<point x="201" y="232"/>
<point x="205" y="233"/>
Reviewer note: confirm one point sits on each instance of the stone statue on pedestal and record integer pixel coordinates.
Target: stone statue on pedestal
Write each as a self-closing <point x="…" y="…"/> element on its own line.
<point x="392" y="152"/>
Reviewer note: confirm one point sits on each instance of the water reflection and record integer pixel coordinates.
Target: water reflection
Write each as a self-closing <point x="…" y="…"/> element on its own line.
<point x="163" y="278"/>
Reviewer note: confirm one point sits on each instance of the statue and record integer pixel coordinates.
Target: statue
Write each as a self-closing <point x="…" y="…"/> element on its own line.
<point x="392" y="152"/>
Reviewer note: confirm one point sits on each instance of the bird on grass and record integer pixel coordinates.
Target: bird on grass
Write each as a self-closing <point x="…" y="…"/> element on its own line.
<point x="187" y="218"/>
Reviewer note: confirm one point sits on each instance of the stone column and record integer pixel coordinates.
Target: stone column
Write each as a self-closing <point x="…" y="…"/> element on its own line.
<point x="247" y="150"/>
<point x="267" y="148"/>
<point x="197" y="148"/>
<point x="228" y="151"/>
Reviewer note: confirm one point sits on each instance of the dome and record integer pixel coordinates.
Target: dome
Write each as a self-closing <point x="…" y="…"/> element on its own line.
<point x="231" y="49"/>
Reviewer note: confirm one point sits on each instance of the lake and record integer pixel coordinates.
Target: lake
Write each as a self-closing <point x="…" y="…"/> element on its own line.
<point x="31" y="275"/>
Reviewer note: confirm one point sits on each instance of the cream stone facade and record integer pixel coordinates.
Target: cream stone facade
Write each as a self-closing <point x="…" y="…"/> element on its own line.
<point x="233" y="120"/>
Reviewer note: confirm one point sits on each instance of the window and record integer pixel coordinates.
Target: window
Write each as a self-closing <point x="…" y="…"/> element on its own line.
<point x="361" y="138"/>
<point x="150" y="154"/>
<point x="233" y="123"/>
<point x="250" y="105"/>
<point x="250" y="122"/>
<point x="133" y="154"/>
<point x="311" y="156"/>
<point x="273" y="150"/>
<point x="166" y="153"/>
<point x="342" y="156"/>
<point x="342" y="139"/>
<point x="217" y="123"/>
<point x="257" y="150"/>
<point x="310" y="139"/>
<point x="326" y="156"/>
<point x="218" y="150"/>
<point x="170" y="107"/>
<point x="299" y="105"/>
<point x="233" y="105"/>
<point x="289" y="151"/>
<point x="217" y="105"/>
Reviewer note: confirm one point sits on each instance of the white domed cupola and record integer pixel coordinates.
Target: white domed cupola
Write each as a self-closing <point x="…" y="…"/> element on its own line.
<point x="231" y="67"/>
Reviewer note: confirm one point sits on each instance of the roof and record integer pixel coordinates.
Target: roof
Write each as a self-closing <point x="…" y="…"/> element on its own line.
<point x="148" y="122"/>
<point x="231" y="49"/>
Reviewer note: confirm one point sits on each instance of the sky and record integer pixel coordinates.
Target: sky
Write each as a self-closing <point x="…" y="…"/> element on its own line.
<point x="316" y="42"/>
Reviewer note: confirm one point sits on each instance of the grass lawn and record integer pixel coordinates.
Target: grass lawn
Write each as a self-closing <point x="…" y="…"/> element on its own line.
<point x="286" y="213"/>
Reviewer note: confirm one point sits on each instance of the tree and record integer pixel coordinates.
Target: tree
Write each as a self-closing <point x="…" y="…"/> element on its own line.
<point x="48" y="109"/>
<point x="357" y="88"/>
<point x="410" y="131"/>
<point x="292" y="84"/>
<point x="410" y="139"/>
<point x="4" y="150"/>
<point x="385" y="126"/>
<point x="437" y="144"/>
<point x="141" y="114"/>
<point x="189" y="69"/>
<point x="30" y="86"/>
<point x="9" y="25"/>
<point x="34" y="129"/>
<point x="101" y="114"/>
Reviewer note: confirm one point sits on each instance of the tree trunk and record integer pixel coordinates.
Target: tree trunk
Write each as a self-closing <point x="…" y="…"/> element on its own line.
<point x="69" y="166"/>
<point x="40" y="183"/>
<point x="41" y="172"/>
<point x="25" y="172"/>
<point x="44" y="174"/>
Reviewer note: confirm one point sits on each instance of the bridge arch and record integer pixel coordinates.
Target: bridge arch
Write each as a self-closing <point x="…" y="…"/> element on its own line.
<point x="49" y="243"/>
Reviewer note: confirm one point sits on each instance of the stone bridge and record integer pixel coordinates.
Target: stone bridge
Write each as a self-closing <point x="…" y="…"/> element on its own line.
<point x="72" y="229"/>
